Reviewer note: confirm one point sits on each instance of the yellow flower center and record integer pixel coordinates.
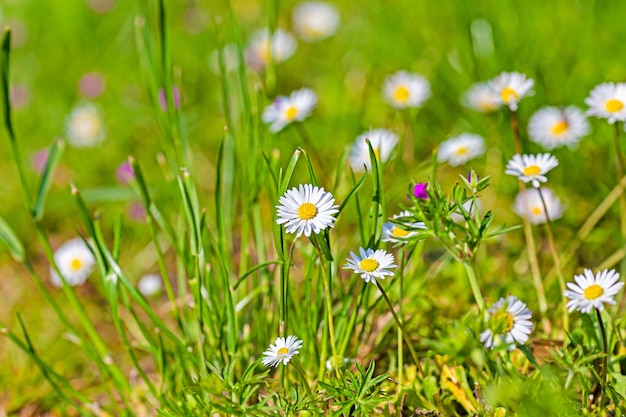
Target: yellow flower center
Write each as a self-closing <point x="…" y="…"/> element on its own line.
<point x="282" y="351"/>
<point x="536" y="210"/>
<point x="560" y="128"/>
<point x="76" y="264"/>
<point x="264" y="51"/>
<point x="532" y="170"/>
<point x="508" y="95"/>
<point x="368" y="264"/>
<point x="613" y="105"/>
<point x="593" y="291"/>
<point x="291" y="112"/>
<point x="399" y="232"/>
<point x="401" y="94"/>
<point x="461" y="151"/>
<point x="307" y="211"/>
<point x="509" y="322"/>
<point x="377" y="153"/>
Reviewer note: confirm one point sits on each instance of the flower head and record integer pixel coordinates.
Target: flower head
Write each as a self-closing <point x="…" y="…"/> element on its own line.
<point x="150" y="284"/>
<point x="91" y="85"/>
<point x="371" y="264"/>
<point x="460" y="149"/>
<point x="510" y="87"/>
<point x="531" y="168"/>
<point x="402" y="229"/>
<point x="306" y="209"/>
<point x="419" y="191"/>
<point x="481" y="97"/>
<point x="282" y="350"/>
<point x="84" y="126"/>
<point x="510" y="321"/>
<point x="552" y="127"/>
<point x="528" y="205"/>
<point x="608" y="101"/>
<point x="75" y="261"/>
<point x="404" y="89"/>
<point x="592" y="291"/>
<point x="280" y="47"/>
<point x="285" y="110"/>
<point x="315" y="20"/>
<point x="383" y="142"/>
<point x="125" y="173"/>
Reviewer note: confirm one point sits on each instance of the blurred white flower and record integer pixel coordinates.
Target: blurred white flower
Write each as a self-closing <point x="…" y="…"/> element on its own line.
<point x="383" y="142"/>
<point x="281" y="47"/>
<point x="510" y="87"/>
<point x="460" y="149"/>
<point x="528" y="205"/>
<point x="511" y="320"/>
<point x="84" y="126"/>
<point x="315" y="20"/>
<point x="75" y="261"/>
<point x="282" y="350"/>
<point x="150" y="284"/>
<point x="404" y="89"/>
<point x="285" y="110"/>
<point x="481" y="97"/>
<point x="552" y="127"/>
<point x="608" y="101"/>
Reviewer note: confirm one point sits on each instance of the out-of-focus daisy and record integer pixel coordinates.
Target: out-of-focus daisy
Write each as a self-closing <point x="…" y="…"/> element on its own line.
<point x="419" y="191"/>
<point x="528" y="205"/>
<point x="285" y="110"/>
<point x="510" y="87"/>
<point x="150" y="284"/>
<point x="371" y="264"/>
<point x="510" y="321"/>
<point x="282" y="350"/>
<point x="281" y="46"/>
<point x="315" y="20"/>
<point x="531" y="168"/>
<point x="306" y="209"/>
<point x="84" y="126"/>
<point x="382" y="140"/>
<point x="404" y="89"/>
<point x="75" y="261"/>
<point x="400" y="230"/>
<point x="469" y="207"/>
<point x="592" y="291"/>
<point x="481" y="97"/>
<point x="608" y="101"/>
<point x="460" y="149"/>
<point x="552" y="127"/>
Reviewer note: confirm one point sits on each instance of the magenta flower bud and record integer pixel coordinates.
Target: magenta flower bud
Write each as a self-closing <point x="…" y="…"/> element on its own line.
<point x="419" y="191"/>
<point x="125" y="173"/>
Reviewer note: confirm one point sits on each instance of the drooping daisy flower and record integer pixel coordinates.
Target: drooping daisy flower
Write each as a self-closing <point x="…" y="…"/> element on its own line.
<point x="400" y="231"/>
<point x="306" y="209"/>
<point x="382" y="140"/>
<point x="510" y="87"/>
<point x="285" y="110"/>
<point x="281" y="46"/>
<point x="282" y="351"/>
<point x="371" y="264"/>
<point x="608" y="101"/>
<point x="511" y="323"/>
<point x="150" y="285"/>
<point x="315" y="20"/>
<point x="460" y="149"/>
<point x="592" y="291"/>
<point x="75" y="261"/>
<point x="84" y="126"/>
<point x="404" y="89"/>
<point x="528" y="205"/>
<point x="552" y="127"/>
<point x="481" y="97"/>
<point x="531" y="168"/>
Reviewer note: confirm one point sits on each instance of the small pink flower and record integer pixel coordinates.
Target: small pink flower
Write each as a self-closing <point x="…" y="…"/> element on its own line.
<point x="39" y="159"/>
<point x="125" y="173"/>
<point x="163" y="99"/>
<point x="136" y="212"/>
<point x="419" y="191"/>
<point x="91" y="85"/>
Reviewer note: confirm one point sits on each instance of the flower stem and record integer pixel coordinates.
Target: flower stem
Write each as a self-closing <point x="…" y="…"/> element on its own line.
<point x="516" y="134"/>
<point x="622" y="197"/>
<point x="605" y="361"/>
<point x="536" y="273"/>
<point x="471" y="277"/>
<point x="306" y="138"/>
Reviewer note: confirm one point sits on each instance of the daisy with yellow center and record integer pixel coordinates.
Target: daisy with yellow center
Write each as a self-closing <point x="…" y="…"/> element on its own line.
<point x="315" y="20"/>
<point x="85" y="127"/>
<point x="509" y="88"/>
<point x="480" y="97"/>
<point x="282" y="351"/>
<point x="531" y="168"/>
<point x="509" y="323"/>
<point x="528" y="205"/>
<point x="371" y="264"/>
<point x="592" y="291"/>
<point x="383" y="142"/>
<point x="404" y="89"/>
<point x="286" y="110"/>
<point x="306" y="209"/>
<point x="461" y="149"/>
<point x="401" y="228"/>
<point x="608" y="101"/>
<point x="75" y="262"/>
<point x="553" y="127"/>
<point x="281" y="46"/>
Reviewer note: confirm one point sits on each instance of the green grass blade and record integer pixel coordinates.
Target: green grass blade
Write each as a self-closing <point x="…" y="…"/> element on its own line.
<point x="8" y="236"/>
<point x="54" y="156"/>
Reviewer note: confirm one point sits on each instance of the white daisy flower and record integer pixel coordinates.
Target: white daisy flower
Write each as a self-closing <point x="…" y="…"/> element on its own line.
<point x="371" y="264"/>
<point x="592" y="291"/>
<point x="531" y="168"/>
<point x="306" y="209"/>
<point x="282" y="351"/>
<point x="75" y="261"/>
<point x="282" y="46"/>
<point x="528" y="205"/>
<point x="285" y="110"/>
<point x="510" y="87"/>
<point x="84" y="126"/>
<point x="382" y="140"/>
<point x="404" y="89"/>
<point x="460" y="149"/>
<point x="511" y="320"/>
<point x="552" y="127"/>
<point x="608" y="101"/>
<point x="315" y="20"/>
<point x="480" y="97"/>
<point x="400" y="231"/>
<point x="150" y="284"/>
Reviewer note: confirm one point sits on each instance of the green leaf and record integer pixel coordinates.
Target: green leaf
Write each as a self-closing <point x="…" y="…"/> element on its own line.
<point x="8" y="236"/>
<point x="54" y="156"/>
<point x="6" y="102"/>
